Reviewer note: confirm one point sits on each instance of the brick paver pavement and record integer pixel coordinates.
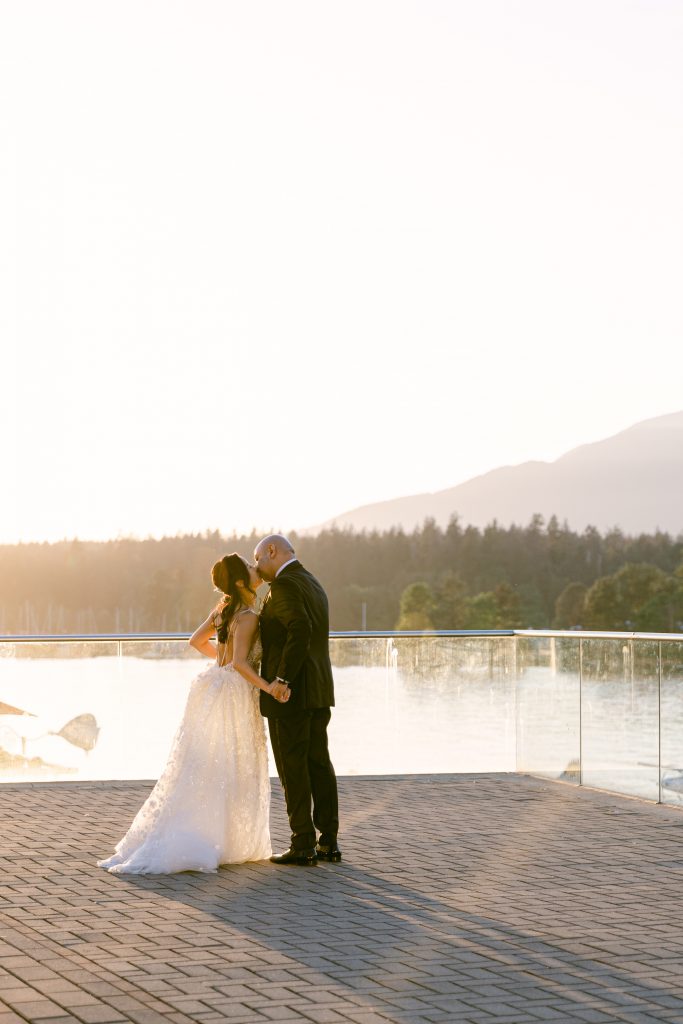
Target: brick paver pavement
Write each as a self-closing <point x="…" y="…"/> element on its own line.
<point x="461" y="898"/>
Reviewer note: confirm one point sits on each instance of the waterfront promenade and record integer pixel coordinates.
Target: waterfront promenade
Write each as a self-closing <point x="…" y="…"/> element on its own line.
<point x="461" y="898"/>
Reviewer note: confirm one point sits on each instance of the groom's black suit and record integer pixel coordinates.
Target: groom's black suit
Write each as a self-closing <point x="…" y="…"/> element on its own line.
<point x="295" y="635"/>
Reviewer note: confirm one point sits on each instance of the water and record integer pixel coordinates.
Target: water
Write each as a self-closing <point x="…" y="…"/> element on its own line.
<point x="384" y="723"/>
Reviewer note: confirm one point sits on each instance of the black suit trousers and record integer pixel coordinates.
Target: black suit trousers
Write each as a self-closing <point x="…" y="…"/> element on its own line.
<point x="307" y="776"/>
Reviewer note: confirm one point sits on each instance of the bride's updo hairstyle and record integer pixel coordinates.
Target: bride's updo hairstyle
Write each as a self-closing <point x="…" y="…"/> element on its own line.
<point x="225" y="575"/>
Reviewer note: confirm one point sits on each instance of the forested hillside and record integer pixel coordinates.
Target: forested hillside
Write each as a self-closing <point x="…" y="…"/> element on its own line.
<point x="538" y="576"/>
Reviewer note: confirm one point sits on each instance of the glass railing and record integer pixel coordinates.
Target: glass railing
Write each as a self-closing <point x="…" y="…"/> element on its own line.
<point x="602" y="710"/>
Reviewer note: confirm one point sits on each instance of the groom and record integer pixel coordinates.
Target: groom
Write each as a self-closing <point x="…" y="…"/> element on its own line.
<point x="295" y="636"/>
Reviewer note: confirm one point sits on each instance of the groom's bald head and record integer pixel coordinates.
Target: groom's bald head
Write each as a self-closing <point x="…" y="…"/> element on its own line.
<point x="270" y="554"/>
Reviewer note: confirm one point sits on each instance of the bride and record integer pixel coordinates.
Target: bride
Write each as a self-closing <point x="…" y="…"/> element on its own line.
<point x="211" y="803"/>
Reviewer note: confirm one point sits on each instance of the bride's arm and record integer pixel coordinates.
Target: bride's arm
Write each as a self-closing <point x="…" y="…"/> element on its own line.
<point x="201" y="638"/>
<point x="245" y="628"/>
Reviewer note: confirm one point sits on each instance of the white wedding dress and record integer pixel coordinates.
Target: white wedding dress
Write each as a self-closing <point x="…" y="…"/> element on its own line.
<point x="211" y="804"/>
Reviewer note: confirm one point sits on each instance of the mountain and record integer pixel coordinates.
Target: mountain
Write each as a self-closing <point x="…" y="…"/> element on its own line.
<point x="633" y="480"/>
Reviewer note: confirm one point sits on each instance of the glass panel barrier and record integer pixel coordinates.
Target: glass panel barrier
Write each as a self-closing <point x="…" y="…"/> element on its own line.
<point x="404" y="705"/>
<point x="620" y="716"/>
<point x="582" y="708"/>
<point x="54" y="697"/>
<point x="549" y="707"/>
<point x="154" y="679"/>
<point x="672" y="723"/>
<point x="423" y="705"/>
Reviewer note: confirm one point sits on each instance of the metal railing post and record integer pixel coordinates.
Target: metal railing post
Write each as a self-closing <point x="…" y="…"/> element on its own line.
<point x="580" y="711"/>
<point x="659" y="722"/>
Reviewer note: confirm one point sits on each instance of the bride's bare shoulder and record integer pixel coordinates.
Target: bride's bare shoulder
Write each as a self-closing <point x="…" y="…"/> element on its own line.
<point x="246" y="615"/>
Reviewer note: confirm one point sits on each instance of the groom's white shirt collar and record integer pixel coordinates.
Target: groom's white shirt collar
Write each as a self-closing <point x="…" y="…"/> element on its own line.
<point x="284" y="567"/>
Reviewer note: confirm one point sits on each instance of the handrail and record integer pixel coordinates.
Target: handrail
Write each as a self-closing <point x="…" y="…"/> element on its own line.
<point x="577" y="634"/>
<point x="588" y="634"/>
<point x="351" y="634"/>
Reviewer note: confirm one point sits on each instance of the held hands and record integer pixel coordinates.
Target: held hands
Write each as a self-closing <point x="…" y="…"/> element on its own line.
<point x="280" y="691"/>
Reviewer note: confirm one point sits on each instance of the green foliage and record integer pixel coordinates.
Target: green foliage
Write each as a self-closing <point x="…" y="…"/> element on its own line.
<point x="615" y="602"/>
<point x="570" y="607"/>
<point x="482" y="612"/>
<point x="532" y="610"/>
<point x="417" y="607"/>
<point x="498" y="577"/>
<point x="507" y="607"/>
<point x="449" y="608"/>
<point x="499" y="608"/>
<point x="663" y="613"/>
<point x="450" y="602"/>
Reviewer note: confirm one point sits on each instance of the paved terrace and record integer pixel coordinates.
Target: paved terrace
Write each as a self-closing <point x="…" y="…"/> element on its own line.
<point x="461" y="898"/>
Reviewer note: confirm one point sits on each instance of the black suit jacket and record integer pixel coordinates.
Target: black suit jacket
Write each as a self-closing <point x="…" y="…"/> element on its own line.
<point x="295" y="628"/>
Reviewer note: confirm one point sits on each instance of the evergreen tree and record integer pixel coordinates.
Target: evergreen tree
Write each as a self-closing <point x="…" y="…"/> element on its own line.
<point x="450" y="603"/>
<point x="482" y="612"/>
<point x="570" y="607"/>
<point x="417" y="607"/>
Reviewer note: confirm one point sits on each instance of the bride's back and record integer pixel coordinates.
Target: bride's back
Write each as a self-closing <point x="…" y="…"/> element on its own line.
<point x="225" y="634"/>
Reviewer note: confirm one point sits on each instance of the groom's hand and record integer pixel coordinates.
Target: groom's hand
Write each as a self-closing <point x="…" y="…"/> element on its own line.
<point x="280" y="691"/>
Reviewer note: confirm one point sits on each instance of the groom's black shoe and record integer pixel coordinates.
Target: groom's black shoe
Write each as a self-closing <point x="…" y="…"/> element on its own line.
<point x="305" y="858"/>
<point x="331" y="853"/>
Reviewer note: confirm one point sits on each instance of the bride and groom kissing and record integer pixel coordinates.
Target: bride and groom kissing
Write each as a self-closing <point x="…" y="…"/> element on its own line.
<point x="211" y="803"/>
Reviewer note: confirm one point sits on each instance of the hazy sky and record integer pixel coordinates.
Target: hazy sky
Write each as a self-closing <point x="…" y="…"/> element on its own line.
<point x="262" y="262"/>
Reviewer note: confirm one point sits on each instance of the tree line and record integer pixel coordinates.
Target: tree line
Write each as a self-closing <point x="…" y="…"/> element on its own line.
<point x="542" y="575"/>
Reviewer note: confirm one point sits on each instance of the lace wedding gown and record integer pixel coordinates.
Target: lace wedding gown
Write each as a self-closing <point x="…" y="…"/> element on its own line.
<point x="211" y="804"/>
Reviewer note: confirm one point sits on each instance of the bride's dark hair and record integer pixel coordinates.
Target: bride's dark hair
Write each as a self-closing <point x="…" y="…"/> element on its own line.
<point x="226" y="574"/>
